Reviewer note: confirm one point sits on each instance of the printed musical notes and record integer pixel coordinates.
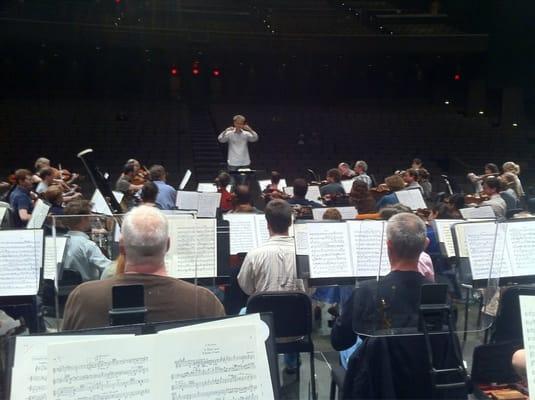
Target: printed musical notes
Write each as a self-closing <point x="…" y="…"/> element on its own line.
<point x="328" y="250"/>
<point x="54" y="250"/>
<point x="527" y="310"/>
<point x="39" y="214"/>
<point x="21" y="259"/>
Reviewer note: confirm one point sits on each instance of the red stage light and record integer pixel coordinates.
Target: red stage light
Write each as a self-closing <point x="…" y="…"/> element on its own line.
<point x="117" y="1"/>
<point x="174" y="71"/>
<point x="216" y="72"/>
<point x="195" y="71"/>
<point x="457" y="77"/>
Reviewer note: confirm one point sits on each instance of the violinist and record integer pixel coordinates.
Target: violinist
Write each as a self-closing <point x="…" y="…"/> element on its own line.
<point x="20" y="198"/>
<point x="333" y="188"/>
<point x="361" y="168"/>
<point x="361" y="198"/>
<point x="514" y="169"/>
<point x="345" y="171"/>
<point x="489" y="170"/>
<point x="54" y="195"/>
<point x="124" y="184"/>
<point x="491" y="187"/>
<point x="300" y="191"/>
<point x="222" y="181"/>
<point x="272" y="190"/>
<point x="47" y="179"/>
<point x="40" y="163"/>
<point x="166" y="199"/>
<point x="393" y="183"/>
<point x="411" y="177"/>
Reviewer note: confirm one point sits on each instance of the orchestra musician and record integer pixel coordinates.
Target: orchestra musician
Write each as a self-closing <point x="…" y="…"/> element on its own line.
<point x="514" y="169"/>
<point x="411" y="177"/>
<point x="393" y="184"/>
<point x="125" y="185"/>
<point x="490" y="169"/>
<point x="222" y="182"/>
<point x="20" y="199"/>
<point x="345" y="171"/>
<point x="361" y="169"/>
<point x="299" y="197"/>
<point x="333" y="187"/>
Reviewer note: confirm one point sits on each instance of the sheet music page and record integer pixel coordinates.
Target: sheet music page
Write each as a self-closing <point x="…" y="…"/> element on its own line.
<point x="265" y="182"/>
<point x="262" y="232"/>
<point x="187" y="200"/>
<point x="477" y="212"/>
<point x="39" y="214"/>
<point x="521" y="245"/>
<point x="411" y="198"/>
<point x="313" y="194"/>
<point x="3" y="211"/>
<point x="193" y="248"/>
<point x="118" y="196"/>
<point x="224" y="363"/>
<point x="100" y="205"/>
<point x="242" y="232"/>
<point x="208" y="204"/>
<point x="185" y="180"/>
<point x="443" y="232"/>
<point x="30" y="365"/>
<point x="367" y="241"/>
<point x="21" y="259"/>
<point x="113" y="368"/>
<point x="527" y="314"/>
<point x="328" y="250"/>
<point x="480" y="241"/>
<point x="301" y="239"/>
<point x="206" y="188"/>
<point x="347" y="184"/>
<point x="289" y="190"/>
<point x="54" y="251"/>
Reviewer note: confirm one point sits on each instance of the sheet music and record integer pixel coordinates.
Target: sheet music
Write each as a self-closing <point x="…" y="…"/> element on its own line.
<point x="480" y="241"/>
<point x="187" y="200"/>
<point x="328" y="248"/>
<point x="39" y="214"/>
<point x="520" y="239"/>
<point x="53" y="255"/>
<point x="118" y="196"/>
<point x="185" y="180"/>
<point x="243" y="236"/>
<point x="208" y="204"/>
<point x="477" y="212"/>
<point x="102" y="369"/>
<point x="193" y="248"/>
<point x="313" y="194"/>
<point x="3" y="211"/>
<point x="265" y="182"/>
<point x="411" y="198"/>
<point x="100" y="205"/>
<point x="367" y="241"/>
<point x="262" y="232"/>
<point x="30" y="365"/>
<point x="347" y="213"/>
<point x="21" y="259"/>
<point x="443" y="232"/>
<point x="289" y="190"/>
<point x="527" y="313"/>
<point x="301" y="239"/>
<point x="226" y="363"/>
<point x="206" y="188"/>
<point x="347" y="184"/>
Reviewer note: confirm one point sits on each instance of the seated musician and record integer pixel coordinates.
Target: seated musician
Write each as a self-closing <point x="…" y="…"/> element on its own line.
<point x="54" y="195"/>
<point x="393" y="183"/>
<point x="124" y="184"/>
<point x="47" y="179"/>
<point x="222" y="182"/>
<point x="427" y="187"/>
<point x="166" y="199"/>
<point x="417" y="164"/>
<point x="345" y="171"/>
<point x="20" y="198"/>
<point x="149" y="194"/>
<point x="40" y="163"/>
<point x="272" y="191"/>
<point x="333" y="188"/>
<point x="361" y="198"/>
<point x="513" y="168"/>
<point x="272" y="267"/>
<point x="243" y="201"/>
<point x="490" y="169"/>
<point x="82" y="254"/>
<point x="299" y="197"/>
<point x="144" y="242"/>
<point x="398" y="292"/>
<point x="492" y="187"/>
<point x="361" y="169"/>
<point x="507" y="192"/>
<point x="411" y="177"/>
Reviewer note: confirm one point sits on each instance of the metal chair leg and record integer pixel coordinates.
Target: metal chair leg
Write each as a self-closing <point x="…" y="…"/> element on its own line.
<point x="332" y="392"/>
<point x="313" y="376"/>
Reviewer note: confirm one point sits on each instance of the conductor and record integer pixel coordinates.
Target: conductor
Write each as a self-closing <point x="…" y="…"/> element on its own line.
<point x="237" y="137"/>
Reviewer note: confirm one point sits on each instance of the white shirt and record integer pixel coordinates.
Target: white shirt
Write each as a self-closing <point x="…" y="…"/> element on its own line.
<point x="498" y="206"/>
<point x="238" y="152"/>
<point x="84" y="256"/>
<point x="270" y="267"/>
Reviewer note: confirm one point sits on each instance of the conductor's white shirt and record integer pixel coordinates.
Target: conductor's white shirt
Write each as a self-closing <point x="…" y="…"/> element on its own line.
<point x="238" y="152"/>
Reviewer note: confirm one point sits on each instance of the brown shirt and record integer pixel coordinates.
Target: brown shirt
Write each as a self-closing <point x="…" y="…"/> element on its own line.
<point x="166" y="299"/>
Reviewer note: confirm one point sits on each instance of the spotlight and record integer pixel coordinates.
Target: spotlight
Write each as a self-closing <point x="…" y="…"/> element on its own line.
<point x="457" y="77"/>
<point x="515" y="124"/>
<point x="446" y="102"/>
<point x="174" y="71"/>
<point x="216" y="72"/>
<point x="481" y="112"/>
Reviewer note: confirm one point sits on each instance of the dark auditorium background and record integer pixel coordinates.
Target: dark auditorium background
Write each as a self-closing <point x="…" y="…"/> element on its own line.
<point x="448" y="81"/>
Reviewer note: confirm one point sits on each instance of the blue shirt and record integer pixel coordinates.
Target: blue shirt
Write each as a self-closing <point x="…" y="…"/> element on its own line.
<point x="166" y="198"/>
<point x="20" y="200"/>
<point x="388" y="200"/>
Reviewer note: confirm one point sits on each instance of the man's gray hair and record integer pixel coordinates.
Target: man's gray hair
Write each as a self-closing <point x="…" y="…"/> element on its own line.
<point x="145" y="234"/>
<point x="238" y="117"/>
<point x="407" y="235"/>
<point x="362" y="164"/>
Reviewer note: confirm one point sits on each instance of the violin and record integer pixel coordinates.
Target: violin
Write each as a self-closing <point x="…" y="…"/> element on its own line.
<point x="141" y="176"/>
<point x="476" y="199"/>
<point x="337" y="199"/>
<point x="379" y="191"/>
